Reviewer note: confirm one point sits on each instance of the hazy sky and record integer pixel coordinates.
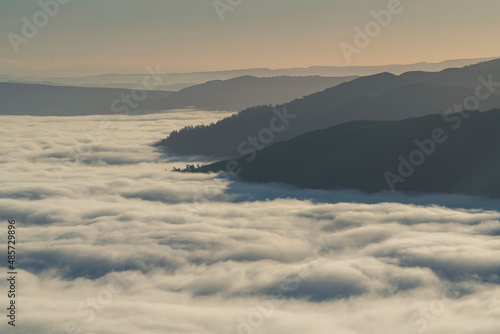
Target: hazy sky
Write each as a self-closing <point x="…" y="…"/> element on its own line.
<point x="102" y="36"/>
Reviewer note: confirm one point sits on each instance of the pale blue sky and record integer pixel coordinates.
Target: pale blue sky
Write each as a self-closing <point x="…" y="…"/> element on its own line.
<point x="98" y="36"/>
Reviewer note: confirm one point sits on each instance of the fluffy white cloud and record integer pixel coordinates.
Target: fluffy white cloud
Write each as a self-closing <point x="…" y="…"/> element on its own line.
<point x="201" y="254"/>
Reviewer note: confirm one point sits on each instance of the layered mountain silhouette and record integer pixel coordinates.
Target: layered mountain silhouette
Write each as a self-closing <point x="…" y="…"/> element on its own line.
<point x="177" y="81"/>
<point x="455" y="153"/>
<point x="466" y="76"/>
<point x="246" y="91"/>
<point x="378" y="97"/>
<point x="47" y="100"/>
<point x="234" y="94"/>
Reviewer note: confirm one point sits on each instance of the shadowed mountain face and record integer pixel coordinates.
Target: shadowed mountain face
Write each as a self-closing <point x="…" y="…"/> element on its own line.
<point x="234" y="94"/>
<point x="379" y="97"/>
<point x="457" y="153"/>
<point x="243" y="92"/>
<point x="465" y="77"/>
<point x="225" y="137"/>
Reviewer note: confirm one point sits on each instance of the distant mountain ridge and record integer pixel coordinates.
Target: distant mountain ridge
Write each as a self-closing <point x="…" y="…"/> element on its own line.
<point x="47" y="100"/>
<point x="176" y="81"/>
<point x="458" y="153"/>
<point x="246" y="91"/>
<point x="234" y="94"/>
<point x="382" y="96"/>
<point x="466" y="76"/>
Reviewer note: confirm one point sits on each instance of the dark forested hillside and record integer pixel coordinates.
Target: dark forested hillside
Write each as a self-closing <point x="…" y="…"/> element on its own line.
<point x="379" y="97"/>
<point x="457" y="153"/>
<point x="224" y="137"/>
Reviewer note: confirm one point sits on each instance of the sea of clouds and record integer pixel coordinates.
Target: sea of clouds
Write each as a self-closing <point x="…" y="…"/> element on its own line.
<point x="110" y="240"/>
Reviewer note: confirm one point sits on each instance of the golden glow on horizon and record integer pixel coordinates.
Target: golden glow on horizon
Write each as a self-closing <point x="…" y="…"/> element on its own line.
<point x="259" y="34"/>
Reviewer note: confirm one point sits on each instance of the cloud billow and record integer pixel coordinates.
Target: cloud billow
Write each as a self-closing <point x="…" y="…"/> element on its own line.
<point x="331" y="260"/>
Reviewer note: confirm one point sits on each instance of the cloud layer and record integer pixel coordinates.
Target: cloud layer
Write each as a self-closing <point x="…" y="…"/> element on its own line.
<point x="112" y="241"/>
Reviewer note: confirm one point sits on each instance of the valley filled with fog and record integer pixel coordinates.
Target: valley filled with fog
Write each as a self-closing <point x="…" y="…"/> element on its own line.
<point x="111" y="240"/>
